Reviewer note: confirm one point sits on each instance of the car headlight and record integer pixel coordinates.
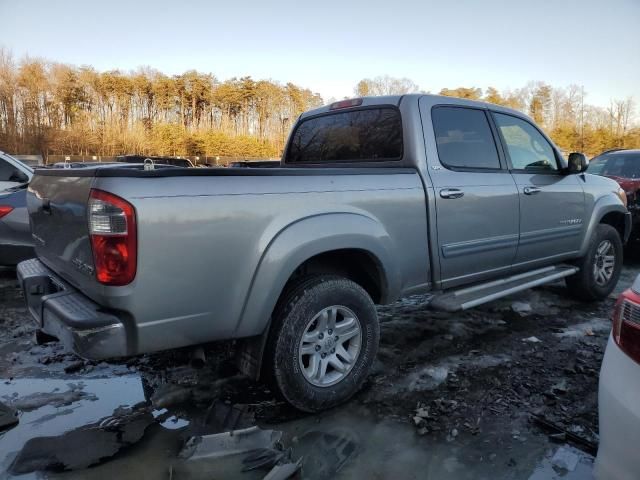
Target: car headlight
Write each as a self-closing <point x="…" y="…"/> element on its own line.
<point x="622" y="196"/>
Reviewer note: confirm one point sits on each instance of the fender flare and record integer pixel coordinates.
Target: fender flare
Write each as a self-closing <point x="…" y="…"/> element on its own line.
<point x="303" y="239"/>
<point x="602" y="206"/>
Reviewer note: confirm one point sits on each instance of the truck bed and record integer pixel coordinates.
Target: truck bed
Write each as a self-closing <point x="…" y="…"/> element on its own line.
<point x="207" y="238"/>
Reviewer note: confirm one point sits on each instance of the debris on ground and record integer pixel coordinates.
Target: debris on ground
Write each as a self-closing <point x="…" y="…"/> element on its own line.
<point x="284" y="470"/>
<point x="85" y="446"/>
<point x="55" y="399"/>
<point x="168" y="395"/>
<point x="8" y="417"/>
<point x="558" y="433"/>
<point x="532" y="339"/>
<point x="522" y="308"/>
<point x="263" y="458"/>
<point x="229" y="443"/>
<point x="565" y="459"/>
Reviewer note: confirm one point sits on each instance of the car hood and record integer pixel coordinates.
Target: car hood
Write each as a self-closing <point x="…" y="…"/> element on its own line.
<point x="627" y="184"/>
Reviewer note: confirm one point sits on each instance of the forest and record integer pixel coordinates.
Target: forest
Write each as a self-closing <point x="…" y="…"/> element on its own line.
<point x="50" y="108"/>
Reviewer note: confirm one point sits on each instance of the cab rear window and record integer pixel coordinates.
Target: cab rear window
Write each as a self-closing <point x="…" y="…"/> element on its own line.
<point x="366" y="135"/>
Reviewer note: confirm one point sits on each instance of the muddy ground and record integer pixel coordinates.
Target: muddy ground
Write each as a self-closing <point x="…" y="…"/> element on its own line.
<point x="505" y="391"/>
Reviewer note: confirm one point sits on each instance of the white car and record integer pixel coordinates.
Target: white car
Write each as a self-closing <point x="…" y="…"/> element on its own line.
<point x="13" y="172"/>
<point x="619" y="393"/>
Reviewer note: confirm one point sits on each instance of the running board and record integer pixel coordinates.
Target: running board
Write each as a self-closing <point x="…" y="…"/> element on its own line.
<point x="470" y="297"/>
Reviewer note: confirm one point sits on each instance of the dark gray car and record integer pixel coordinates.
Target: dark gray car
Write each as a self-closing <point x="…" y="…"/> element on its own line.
<point x="16" y="243"/>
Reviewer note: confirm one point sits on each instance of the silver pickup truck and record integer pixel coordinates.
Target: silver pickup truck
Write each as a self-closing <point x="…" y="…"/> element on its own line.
<point x="376" y="199"/>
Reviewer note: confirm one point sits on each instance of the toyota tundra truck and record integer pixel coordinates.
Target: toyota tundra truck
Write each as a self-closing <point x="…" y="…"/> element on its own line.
<point x="375" y="199"/>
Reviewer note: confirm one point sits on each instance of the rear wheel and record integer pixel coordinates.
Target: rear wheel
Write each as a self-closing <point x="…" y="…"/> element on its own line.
<point x="322" y="342"/>
<point x="600" y="267"/>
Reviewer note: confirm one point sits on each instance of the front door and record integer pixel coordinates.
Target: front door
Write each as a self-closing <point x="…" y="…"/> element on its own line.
<point x="551" y="202"/>
<point x="476" y="198"/>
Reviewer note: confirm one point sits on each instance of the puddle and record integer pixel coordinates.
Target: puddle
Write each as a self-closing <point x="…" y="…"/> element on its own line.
<point x="59" y="406"/>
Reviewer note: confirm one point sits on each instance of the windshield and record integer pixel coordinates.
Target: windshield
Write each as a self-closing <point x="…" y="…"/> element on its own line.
<point x="626" y="165"/>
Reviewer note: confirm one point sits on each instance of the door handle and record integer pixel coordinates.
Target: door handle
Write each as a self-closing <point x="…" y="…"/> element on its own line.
<point x="451" y="193"/>
<point x="531" y="190"/>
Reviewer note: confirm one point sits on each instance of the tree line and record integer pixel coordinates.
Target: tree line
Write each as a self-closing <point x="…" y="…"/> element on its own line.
<point x="52" y="108"/>
<point x="573" y="124"/>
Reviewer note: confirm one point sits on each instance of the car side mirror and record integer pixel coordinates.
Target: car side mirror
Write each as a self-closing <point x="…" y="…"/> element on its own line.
<point x="577" y="162"/>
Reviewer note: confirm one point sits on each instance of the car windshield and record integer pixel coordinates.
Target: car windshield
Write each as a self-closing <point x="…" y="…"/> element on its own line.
<point x="626" y="165"/>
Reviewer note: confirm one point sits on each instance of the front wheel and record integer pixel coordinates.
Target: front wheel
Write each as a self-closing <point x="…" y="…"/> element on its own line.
<point x="600" y="267"/>
<point x="322" y="343"/>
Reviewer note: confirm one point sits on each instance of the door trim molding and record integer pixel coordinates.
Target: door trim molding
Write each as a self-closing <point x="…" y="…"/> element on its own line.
<point x="548" y="234"/>
<point x="452" y="250"/>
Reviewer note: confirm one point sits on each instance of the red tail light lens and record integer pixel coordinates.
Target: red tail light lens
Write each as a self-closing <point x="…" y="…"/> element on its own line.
<point x="112" y="226"/>
<point x="626" y="324"/>
<point x="5" y="210"/>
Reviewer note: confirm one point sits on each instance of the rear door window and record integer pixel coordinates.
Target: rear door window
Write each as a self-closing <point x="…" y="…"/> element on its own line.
<point x="366" y="135"/>
<point x="464" y="138"/>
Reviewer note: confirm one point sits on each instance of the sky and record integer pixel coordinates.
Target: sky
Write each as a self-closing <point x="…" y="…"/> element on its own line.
<point x="328" y="46"/>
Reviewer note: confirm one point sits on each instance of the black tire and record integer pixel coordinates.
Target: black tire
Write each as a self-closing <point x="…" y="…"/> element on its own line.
<point x="299" y="305"/>
<point x="583" y="285"/>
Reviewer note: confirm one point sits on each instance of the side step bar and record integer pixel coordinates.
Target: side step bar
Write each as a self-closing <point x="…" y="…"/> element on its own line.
<point x="469" y="297"/>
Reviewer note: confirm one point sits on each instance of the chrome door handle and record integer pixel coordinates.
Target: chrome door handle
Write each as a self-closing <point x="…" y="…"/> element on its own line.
<point x="451" y="193"/>
<point x="531" y="190"/>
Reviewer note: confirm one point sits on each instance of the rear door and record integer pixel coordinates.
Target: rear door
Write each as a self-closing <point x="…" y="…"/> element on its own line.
<point x="551" y="203"/>
<point x="476" y="198"/>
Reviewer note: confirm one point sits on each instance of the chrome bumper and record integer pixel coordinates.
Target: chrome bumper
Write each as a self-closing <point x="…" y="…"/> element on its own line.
<point x="65" y="313"/>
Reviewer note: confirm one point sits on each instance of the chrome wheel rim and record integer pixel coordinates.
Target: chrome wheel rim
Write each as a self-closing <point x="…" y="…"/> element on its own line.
<point x="605" y="262"/>
<point x="330" y="346"/>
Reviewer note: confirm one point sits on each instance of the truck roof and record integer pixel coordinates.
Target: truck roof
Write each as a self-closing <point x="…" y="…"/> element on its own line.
<point x="397" y="99"/>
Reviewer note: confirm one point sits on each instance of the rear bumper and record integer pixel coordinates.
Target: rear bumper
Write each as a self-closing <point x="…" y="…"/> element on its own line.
<point x="65" y="313"/>
<point x="619" y="413"/>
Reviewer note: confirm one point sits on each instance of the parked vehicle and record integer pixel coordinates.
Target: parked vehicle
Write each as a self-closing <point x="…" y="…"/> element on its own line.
<point x="16" y="243"/>
<point x="619" y="410"/>
<point x="175" y="161"/>
<point x="623" y="166"/>
<point x="377" y="198"/>
<point x="13" y="172"/>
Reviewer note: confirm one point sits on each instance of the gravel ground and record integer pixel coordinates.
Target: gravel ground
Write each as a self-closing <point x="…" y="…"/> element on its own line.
<point x="494" y="392"/>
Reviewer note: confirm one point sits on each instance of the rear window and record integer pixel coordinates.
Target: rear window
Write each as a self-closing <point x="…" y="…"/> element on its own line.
<point x="370" y="135"/>
<point x="626" y="165"/>
<point x="464" y="138"/>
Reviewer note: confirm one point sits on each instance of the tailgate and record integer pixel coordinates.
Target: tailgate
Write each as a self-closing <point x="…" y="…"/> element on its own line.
<point x="57" y="206"/>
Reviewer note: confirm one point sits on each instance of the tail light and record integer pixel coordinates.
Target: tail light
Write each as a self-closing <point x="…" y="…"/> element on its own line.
<point x="626" y="324"/>
<point x="353" y="102"/>
<point x="5" y="210"/>
<point x="112" y="226"/>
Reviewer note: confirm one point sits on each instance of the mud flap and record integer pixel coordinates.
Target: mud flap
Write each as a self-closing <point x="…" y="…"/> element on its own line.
<point x="249" y="353"/>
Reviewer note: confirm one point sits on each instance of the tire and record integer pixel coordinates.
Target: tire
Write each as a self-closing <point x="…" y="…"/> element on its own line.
<point x="586" y="284"/>
<point x="308" y="307"/>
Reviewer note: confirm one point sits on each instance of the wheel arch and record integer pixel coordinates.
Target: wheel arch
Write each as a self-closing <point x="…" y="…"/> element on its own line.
<point x="607" y="210"/>
<point x="355" y="246"/>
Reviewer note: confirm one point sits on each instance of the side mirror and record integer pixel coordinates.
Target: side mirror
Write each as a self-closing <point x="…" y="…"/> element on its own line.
<point x="577" y="162"/>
